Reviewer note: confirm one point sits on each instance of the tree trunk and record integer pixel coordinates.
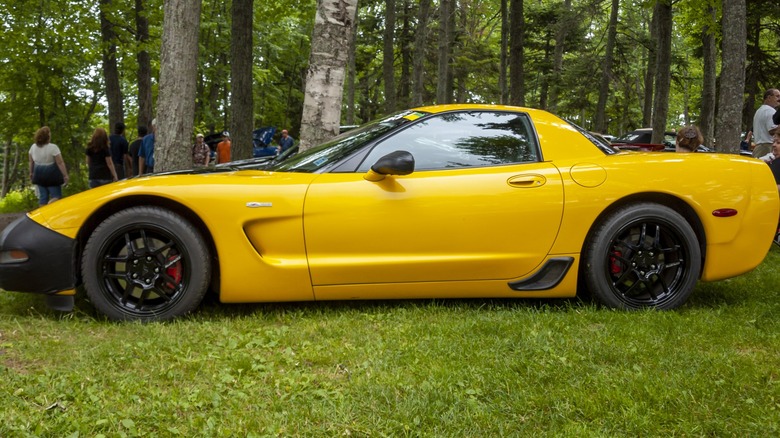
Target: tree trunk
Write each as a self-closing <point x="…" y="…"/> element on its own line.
<point x="663" y="74"/>
<point x="753" y="70"/>
<point x="452" y="35"/>
<point x="652" y="55"/>
<point x="388" y="56"/>
<point x="707" y="120"/>
<point x="418" y="61"/>
<point x="116" y="112"/>
<point x="330" y="42"/>
<point x="406" y="59"/>
<point x="560" y="41"/>
<point x="178" y="80"/>
<point x="145" y="113"/>
<point x="443" y="73"/>
<point x="241" y="96"/>
<point x="516" y="61"/>
<point x="349" y="118"/>
<point x="503" y="89"/>
<point x="606" y="73"/>
<point x="732" y="76"/>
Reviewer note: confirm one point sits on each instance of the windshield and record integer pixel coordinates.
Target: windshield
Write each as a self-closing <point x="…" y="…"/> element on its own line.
<point x="343" y="145"/>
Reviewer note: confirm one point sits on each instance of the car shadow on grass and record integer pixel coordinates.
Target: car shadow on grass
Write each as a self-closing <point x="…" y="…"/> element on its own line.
<point x="706" y="296"/>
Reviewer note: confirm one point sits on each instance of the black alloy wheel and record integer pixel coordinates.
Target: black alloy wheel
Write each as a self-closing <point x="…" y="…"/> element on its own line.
<point x="145" y="264"/>
<point x="642" y="256"/>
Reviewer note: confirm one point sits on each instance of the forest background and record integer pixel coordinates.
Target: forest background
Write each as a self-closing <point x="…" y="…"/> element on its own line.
<point x="608" y="65"/>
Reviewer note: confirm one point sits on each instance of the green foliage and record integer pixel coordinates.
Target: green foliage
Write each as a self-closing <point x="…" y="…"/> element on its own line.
<point x="406" y="368"/>
<point x="19" y="201"/>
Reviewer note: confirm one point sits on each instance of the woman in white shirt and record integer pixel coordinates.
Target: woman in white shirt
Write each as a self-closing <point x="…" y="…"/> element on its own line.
<point x="47" y="170"/>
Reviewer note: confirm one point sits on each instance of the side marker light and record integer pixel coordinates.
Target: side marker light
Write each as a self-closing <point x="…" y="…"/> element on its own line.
<point x="724" y="212"/>
<point x="13" y="256"/>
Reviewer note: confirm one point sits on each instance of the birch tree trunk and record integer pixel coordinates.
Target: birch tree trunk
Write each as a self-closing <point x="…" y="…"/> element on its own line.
<point x="324" y="89"/>
<point x="241" y="96"/>
<point x="732" y="76"/>
<point x="349" y="105"/>
<point x="178" y="76"/>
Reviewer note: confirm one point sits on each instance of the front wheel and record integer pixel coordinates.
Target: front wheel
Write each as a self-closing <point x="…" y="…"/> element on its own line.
<point x="642" y="256"/>
<point x="145" y="264"/>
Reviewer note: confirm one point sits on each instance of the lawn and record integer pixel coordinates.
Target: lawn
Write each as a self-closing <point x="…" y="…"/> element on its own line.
<point x="409" y="368"/>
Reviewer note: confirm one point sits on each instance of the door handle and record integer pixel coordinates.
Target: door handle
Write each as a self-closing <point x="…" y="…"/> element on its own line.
<point x="527" y="181"/>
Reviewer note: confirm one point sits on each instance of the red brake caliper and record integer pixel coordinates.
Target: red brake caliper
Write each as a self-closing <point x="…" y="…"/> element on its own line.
<point x="174" y="271"/>
<point x="614" y="264"/>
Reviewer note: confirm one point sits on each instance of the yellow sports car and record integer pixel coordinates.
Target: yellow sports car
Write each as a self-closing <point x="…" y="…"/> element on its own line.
<point x="434" y="202"/>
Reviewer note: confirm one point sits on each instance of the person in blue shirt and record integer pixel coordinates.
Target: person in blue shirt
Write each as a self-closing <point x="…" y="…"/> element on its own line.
<point x="146" y="153"/>
<point x="285" y="141"/>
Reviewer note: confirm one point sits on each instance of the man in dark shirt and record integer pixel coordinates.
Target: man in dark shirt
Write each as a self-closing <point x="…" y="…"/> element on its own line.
<point x="119" y="149"/>
<point x="134" y="147"/>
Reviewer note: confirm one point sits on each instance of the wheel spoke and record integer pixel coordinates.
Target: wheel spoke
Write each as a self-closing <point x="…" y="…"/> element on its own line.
<point x="163" y="294"/>
<point x="622" y="278"/>
<point x="176" y="259"/>
<point x="130" y="244"/>
<point x="162" y="249"/>
<point x="127" y="292"/>
<point x="672" y="265"/>
<point x="628" y="291"/>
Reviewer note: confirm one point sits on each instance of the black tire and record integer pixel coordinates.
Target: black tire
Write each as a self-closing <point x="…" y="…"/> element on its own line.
<point x="642" y="256"/>
<point x="145" y="264"/>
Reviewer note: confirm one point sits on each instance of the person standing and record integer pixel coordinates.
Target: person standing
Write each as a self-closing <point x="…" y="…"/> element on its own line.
<point x="200" y="152"/>
<point x="119" y="150"/>
<point x="762" y="122"/>
<point x="47" y="170"/>
<point x="146" y="153"/>
<point x="689" y="139"/>
<point x="223" y="149"/>
<point x="746" y="145"/>
<point x="99" y="160"/>
<point x="134" y="148"/>
<point x="285" y="141"/>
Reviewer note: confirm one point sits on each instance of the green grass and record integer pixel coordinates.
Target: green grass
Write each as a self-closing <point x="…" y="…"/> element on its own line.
<point x="477" y="368"/>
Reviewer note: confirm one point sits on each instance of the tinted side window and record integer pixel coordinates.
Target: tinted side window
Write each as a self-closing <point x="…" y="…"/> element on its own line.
<point x="465" y="139"/>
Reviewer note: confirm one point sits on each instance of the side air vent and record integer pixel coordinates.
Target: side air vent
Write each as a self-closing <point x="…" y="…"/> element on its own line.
<point x="547" y="277"/>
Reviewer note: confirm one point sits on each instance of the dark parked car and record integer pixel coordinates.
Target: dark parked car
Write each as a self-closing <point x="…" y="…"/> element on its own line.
<point x="640" y="140"/>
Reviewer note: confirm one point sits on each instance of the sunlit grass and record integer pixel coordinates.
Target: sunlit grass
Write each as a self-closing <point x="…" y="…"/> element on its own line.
<point x="407" y="368"/>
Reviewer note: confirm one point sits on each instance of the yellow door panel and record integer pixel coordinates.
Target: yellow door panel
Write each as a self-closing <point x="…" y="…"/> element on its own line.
<point x="465" y="224"/>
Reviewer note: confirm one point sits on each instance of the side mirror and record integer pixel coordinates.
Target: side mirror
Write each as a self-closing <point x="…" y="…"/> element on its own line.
<point x="394" y="163"/>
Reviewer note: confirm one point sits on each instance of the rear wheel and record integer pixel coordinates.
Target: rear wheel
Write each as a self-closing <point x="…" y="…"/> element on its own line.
<point x="145" y="264"/>
<point x="642" y="256"/>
